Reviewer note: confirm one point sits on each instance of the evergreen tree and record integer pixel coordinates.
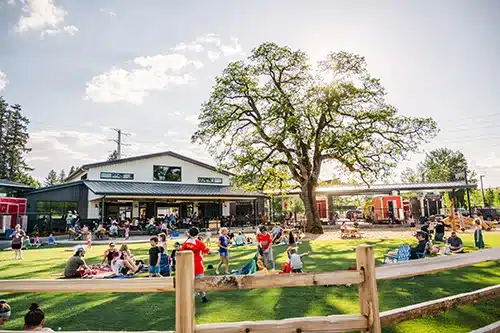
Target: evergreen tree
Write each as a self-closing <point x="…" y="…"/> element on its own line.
<point x="62" y="176"/>
<point x="51" y="178"/>
<point x="71" y="170"/>
<point x="113" y="156"/>
<point x="13" y="142"/>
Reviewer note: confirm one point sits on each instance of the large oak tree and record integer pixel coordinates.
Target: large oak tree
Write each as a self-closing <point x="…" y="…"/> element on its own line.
<point x="274" y="112"/>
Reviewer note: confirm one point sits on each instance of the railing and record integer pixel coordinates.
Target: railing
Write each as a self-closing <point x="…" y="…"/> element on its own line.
<point x="369" y="319"/>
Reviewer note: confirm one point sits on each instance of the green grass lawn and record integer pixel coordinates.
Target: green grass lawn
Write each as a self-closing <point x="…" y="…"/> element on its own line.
<point x="156" y="311"/>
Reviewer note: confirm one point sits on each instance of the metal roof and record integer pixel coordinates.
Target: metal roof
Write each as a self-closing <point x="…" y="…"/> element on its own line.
<point x="341" y="190"/>
<point x="165" y="153"/>
<point x="164" y="189"/>
<point x="8" y="183"/>
<point x="101" y="187"/>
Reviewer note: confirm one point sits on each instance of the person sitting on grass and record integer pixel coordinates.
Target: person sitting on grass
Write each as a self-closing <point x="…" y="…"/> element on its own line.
<point x="51" y="240"/>
<point x="421" y="247"/>
<point x="455" y="243"/>
<point x="4" y="312"/>
<point x="239" y="240"/>
<point x="76" y="266"/>
<point x="35" y="319"/>
<point x="109" y="254"/>
<point x="439" y="228"/>
<point x="134" y="266"/>
<point x="296" y="260"/>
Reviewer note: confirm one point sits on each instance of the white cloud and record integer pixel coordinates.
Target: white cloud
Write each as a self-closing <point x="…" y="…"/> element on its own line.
<point x="188" y="47"/>
<point x="210" y="38"/>
<point x="107" y="11"/>
<point x="44" y="16"/>
<point x="193" y="119"/>
<point x="197" y="64"/>
<point x="212" y="56"/>
<point x="174" y="114"/>
<point x="170" y="133"/>
<point x="3" y="80"/>
<point x="69" y="29"/>
<point x="232" y="50"/>
<point x="154" y="73"/>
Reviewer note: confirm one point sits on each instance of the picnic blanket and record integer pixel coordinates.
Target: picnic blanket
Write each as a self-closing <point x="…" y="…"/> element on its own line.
<point x="95" y="272"/>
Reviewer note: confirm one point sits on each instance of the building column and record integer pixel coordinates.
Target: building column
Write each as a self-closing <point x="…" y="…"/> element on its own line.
<point x="330" y="207"/>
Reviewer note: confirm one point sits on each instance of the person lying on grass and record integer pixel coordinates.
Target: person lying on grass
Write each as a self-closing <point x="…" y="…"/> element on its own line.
<point x="35" y="319"/>
<point x="76" y="266"/>
<point x="455" y="243"/>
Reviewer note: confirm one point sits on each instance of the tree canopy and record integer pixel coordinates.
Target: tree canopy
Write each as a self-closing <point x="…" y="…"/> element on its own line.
<point x="14" y="144"/>
<point x="275" y="113"/>
<point x="441" y="165"/>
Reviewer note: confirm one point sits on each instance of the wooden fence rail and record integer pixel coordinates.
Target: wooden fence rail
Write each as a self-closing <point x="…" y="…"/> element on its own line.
<point x="369" y="319"/>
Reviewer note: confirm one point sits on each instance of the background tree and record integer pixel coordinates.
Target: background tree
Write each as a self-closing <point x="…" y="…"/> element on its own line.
<point x="51" y="178"/>
<point x="490" y="196"/>
<point x="442" y="165"/>
<point x="62" y="176"/>
<point x="71" y="170"/>
<point x="296" y="206"/>
<point x="113" y="156"/>
<point x="275" y="110"/>
<point x="13" y="142"/>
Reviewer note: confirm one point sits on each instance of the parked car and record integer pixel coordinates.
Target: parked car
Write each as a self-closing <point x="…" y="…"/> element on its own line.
<point x="489" y="214"/>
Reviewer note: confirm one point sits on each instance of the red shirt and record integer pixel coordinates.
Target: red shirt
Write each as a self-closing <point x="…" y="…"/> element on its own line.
<point x="265" y="240"/>
<point x="199" y="249"/>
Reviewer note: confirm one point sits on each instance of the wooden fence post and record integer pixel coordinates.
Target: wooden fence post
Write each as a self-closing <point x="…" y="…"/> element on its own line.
<point x="368" y="294"/>
<point x="184" y="293"/>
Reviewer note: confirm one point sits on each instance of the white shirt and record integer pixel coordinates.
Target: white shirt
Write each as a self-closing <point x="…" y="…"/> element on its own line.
<point x="296" y="261"/>
<point x="113" y="229"/>
<point x="208" y="234"/>
<point x="117" y="265"/>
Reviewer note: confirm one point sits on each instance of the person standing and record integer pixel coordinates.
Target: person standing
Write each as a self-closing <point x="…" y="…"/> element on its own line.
<point x="199" y="249"/>
<point x="154" y="258"/>
<point x="17" y="242"/>
<point x="223" y="251"/>
<point x="478" y="235"/>
<point x="265" y="244"/>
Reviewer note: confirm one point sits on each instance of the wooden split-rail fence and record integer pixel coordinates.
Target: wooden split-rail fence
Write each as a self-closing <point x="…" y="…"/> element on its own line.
<point x="369" y="319"/>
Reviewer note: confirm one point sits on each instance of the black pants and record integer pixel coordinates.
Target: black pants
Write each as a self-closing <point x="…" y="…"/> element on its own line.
<point x="297" y="270"/>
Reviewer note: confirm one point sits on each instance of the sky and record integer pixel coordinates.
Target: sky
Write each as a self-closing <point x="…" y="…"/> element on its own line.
<point x="81" y="68"/>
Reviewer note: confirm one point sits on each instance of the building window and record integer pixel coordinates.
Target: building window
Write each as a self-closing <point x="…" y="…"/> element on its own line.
<point x="57" y="209"/>
<point x="209" y="180"/>
<point x="167" y="173"/>
<point x="117" y="175"/>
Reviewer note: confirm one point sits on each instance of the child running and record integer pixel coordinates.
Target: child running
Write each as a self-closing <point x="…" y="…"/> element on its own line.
<point x="265" y="245"/>
<point x="199" y="249"/>
<point x="223" y="251"/>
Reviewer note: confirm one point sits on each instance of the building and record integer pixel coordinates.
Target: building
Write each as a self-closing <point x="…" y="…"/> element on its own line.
<point x="146" y="186"/>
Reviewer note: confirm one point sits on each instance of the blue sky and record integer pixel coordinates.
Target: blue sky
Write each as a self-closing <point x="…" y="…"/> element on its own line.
<point x="79" y="68"/>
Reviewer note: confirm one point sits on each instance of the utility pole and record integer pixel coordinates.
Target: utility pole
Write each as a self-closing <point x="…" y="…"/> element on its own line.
<point x="468" y="192"/>
<point x="119" y="142"/>
<point x="482" y="191"/>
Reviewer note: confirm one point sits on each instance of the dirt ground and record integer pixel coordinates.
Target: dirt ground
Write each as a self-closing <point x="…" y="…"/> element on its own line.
<point x="375" y="234"/>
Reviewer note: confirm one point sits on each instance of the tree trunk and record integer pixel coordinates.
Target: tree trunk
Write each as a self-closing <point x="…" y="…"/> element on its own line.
<point x="313" y="222"/>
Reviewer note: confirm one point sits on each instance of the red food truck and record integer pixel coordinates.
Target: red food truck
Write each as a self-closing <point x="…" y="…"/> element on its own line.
<point x="12" y="212"/>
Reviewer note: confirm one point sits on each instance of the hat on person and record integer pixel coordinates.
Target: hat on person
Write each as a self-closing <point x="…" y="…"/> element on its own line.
<point x="79" y="250"/>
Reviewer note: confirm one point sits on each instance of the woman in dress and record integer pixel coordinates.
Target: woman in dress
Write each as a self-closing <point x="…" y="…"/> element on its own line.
<point x="478" y="235"/>
<point x="17" y="242"/>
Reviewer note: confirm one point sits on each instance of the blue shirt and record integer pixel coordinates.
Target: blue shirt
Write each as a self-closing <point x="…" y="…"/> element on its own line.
<point x="51" y="240"/>
<point x="223" y="241"/>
